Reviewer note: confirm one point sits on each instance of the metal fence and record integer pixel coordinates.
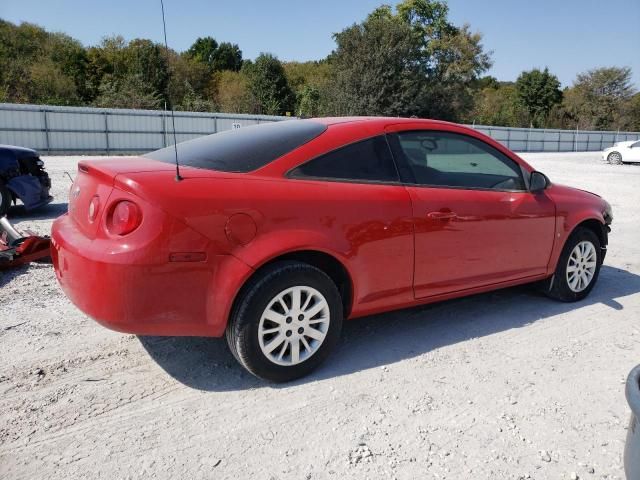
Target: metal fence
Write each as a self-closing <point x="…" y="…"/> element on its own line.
<point x="548" y="140"/>
<point x="84" y="130"/>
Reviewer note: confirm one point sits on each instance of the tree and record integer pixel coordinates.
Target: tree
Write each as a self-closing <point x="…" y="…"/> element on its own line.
<point x="227" y="57"/>
<point x="308" y="102"/>
<point x="233" y="94"/>
<point x="269" y="86"/>
<point x="311" y="82"/>
<point x="411" y="62"/>
<point x="127" y="92"/>
<point x="538" y="91"/>
<point x="599" y="97"/>
<point x="498" y="104"/>
<point x="203" y="50"/>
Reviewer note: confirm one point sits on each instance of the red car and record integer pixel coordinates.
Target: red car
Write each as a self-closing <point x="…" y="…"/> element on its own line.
<point x="277" y="232"/>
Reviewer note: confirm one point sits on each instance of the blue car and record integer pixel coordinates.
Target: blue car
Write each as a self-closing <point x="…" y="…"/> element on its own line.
<point x="22" y="177"/>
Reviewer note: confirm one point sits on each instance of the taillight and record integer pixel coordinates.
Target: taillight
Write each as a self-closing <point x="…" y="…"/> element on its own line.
<point x="124" y="217"/>
<point x="94" y="206"/>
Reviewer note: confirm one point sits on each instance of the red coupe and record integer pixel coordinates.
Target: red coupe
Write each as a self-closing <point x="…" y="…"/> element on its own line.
<point x="274" y="233"/>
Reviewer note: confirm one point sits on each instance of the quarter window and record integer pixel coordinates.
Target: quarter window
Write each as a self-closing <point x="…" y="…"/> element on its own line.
<point x="369" y="160"/>
<point x="454" y="160"/>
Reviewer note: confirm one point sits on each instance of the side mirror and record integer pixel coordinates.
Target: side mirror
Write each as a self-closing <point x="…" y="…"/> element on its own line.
<point x="538" y="182"/>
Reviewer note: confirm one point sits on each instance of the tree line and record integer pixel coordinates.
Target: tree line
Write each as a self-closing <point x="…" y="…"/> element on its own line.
<point x="404" y="61"/>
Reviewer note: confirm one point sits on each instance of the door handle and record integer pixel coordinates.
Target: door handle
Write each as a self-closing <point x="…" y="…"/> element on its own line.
<point x="441" y="215"/>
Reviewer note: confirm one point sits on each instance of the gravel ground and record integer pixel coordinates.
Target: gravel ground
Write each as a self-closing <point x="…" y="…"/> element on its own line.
<point x="501" y="385"/>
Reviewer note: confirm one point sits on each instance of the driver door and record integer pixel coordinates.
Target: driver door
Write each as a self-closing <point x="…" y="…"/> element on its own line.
<point x="475" y="222"/>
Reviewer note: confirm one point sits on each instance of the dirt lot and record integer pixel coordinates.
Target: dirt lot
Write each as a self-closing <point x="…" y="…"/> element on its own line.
<point x="501" y="385"/>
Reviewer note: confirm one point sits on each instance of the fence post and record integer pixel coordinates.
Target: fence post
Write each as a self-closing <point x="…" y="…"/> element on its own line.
<point x="164" y="128"/>
<point x="106" y="131"/>
<point x="215" y="124"/>
<point x="46" y="131"/>
<point x="559" y="137"/>
<point x="508" y="137"/>
<point x="527" y="147"/>
<point x="575" y="140"/>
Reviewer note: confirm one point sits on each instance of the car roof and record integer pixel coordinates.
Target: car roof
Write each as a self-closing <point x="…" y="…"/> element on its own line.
<point x="381" y="120"/>
<point x="18" y="152"/>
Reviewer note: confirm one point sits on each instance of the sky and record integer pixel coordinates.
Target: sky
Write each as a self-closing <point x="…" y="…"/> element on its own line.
<point x="568" y="36"/>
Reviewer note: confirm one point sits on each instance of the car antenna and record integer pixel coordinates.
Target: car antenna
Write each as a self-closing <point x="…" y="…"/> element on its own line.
<point x="173" y="119"/>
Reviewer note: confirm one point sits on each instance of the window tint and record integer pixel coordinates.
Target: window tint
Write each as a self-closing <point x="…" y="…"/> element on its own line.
<point x="368" y="160"/>
<point x="453" y="160"/>
<point x="243" y="149"/>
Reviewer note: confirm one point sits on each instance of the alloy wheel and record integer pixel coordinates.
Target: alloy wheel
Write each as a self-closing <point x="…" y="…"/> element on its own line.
<point x="581" y="267"/>
<point x="294" y="325"/>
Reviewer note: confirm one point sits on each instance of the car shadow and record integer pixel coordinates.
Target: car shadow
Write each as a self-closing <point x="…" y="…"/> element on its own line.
<point x="206" y="364"/>
<point x="9" y="275"/>
<point x="18" y="213"/>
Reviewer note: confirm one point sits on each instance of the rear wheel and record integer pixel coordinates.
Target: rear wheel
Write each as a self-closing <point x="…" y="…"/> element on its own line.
<point x="614" y="158"/>
<point x="286" y="321"/>
<point x="578" y="267"/>
<point x="5" y="199"/>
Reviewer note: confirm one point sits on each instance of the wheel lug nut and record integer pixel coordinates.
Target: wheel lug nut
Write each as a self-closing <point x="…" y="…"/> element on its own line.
<point x="300" y="330"/>
<point x="289" y="332"/>
<point x="300" y="317"/>
<point x="289" y="319"/>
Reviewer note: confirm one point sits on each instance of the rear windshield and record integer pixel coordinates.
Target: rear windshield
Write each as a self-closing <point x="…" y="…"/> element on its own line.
<point x="244" y="149"/>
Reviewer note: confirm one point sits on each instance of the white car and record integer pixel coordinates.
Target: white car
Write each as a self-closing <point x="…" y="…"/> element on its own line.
<point x="623" y="152"/>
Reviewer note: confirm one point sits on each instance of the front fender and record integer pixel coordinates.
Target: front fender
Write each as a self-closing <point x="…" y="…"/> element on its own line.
<point x="566" y="223"/>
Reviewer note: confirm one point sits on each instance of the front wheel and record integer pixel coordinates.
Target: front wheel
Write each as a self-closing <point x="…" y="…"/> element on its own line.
<point x="286" y="321"/>
<point x="578" y="267"/>
<point x="614" y="158"/>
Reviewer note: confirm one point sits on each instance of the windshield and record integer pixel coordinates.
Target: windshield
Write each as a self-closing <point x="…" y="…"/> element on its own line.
<point x="244" y="149"/>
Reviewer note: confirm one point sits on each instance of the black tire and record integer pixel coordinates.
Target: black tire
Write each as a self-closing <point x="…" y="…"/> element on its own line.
<point x="5" y="199"/>
<point x="243" y="329"/>
<point x="558" y="285"/>
<point x="615" y="158"/>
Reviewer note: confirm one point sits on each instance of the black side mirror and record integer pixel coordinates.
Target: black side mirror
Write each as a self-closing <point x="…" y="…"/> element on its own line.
<point x="538" y="182"/>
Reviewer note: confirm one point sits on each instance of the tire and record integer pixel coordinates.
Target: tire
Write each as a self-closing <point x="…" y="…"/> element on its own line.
<point x="614" y="158"/>
<point x="5" y="199"/>
<point x="262" y="334"/>
<point x="573" y="287"/>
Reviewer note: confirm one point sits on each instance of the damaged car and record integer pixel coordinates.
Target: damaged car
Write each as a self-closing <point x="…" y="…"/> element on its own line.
<point x="22" y="177"/>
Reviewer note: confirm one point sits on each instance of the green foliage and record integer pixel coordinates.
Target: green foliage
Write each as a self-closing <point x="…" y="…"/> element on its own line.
<point x="308" y="102"/>
<point x="497" y="104"/>
<point x="538" y="92"/>
<point x="203" y="50"/>
<point x="232" y="92"/>
<point x="400" y="61"/>
<point x="129" y="91"/>
<point x="225" y="56"/>
<point x="269" y="86"/>
<point x="599" y="98"/>
<point x="311" y="83"/>
<point x="412" y="62"/>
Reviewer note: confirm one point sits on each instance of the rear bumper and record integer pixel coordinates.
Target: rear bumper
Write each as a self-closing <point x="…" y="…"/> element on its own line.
<point x="137" y="293"/>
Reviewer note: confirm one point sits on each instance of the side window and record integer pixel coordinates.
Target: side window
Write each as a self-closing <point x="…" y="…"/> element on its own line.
<point x="454" y="160"/>
<point x="368" y="160"/>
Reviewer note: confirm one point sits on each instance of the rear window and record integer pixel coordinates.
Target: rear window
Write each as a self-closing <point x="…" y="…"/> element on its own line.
<point x="244" y="149"/>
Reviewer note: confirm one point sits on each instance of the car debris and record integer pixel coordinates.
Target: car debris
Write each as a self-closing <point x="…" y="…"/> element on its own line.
<point x="22" y="177"/>
<point x="18" y="248"/>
